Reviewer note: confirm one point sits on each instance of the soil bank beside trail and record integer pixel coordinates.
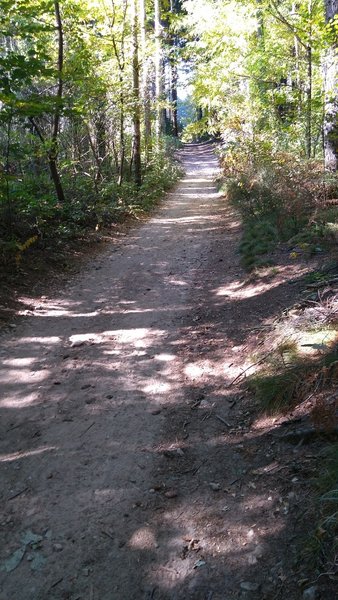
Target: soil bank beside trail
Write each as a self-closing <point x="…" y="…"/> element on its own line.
<point x="118" y="479"/>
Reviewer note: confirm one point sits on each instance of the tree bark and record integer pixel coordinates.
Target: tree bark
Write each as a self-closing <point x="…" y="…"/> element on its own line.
<point x="159" y="88"/>
<point x="101" y="135"/>
<point x="173" y="74"/>
<point x="330" y="129"/>
<point x="174" y="115"/>
<point x="120" y="58"/>
<point x="145" y="81"/>
<point x="136" y="96"/>
<point x="308" y="128"/>
<point x="53" y="152"/>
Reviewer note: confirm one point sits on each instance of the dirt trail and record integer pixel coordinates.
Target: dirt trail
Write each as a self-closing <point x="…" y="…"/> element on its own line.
<point x="119" y="481"/>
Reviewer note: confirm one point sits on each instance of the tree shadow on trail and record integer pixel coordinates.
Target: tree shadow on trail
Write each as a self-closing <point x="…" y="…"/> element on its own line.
<point x="101" y="385"/>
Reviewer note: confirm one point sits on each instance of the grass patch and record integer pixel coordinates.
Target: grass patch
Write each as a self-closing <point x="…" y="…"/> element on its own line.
<point x="295" y="381"/>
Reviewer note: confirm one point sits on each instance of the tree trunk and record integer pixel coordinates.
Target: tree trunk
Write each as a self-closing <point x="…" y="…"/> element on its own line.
<point x="120" y="58"/>
<point x="159" y="88"/>
<point x="53" y="152"/>
<point x="330" y="129"/>
<point x="8" y="212"/>
<point x="122" y="142"/>
<point x="174" y="116"/>
<point x="101" y="137"/>
<point x="308" y="127"/>
<point x="173" y="73"/>
<point x="136" y="96"/>
<point x="145" y="81"/>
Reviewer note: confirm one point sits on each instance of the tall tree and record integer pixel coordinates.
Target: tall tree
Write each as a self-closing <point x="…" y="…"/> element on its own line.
<point x="145" y="81"/>
<point x="136" y="94"/>
<point x="331" y="88"/>
<point x="159" y="71"/>
<point x="173" y="60"/>
<point x="53" y="151"/>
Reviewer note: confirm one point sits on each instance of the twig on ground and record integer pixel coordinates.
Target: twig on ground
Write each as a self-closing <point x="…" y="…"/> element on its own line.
<point x="319" y="284"/>
<point x="248" y="368"/>
<point x="104" y="532"/>
<point x="186" y="434"/>
<point x="233" y="481"/>
<point x="14" y="427"/>
<point x="18" y="494"/>
<point x="194" y="470"/>
<point x="327" y="574"/>
<point x="207" y="416"/>
<point x="56" y="583"/>
<point x="222" y="420"/>
<point x="85" y="431"/>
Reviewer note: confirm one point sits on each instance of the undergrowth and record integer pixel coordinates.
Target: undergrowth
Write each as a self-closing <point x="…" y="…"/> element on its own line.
<point x="281" y="388"/>
<point x="281" y="198"/>
<point x="290" y="379"/>
<point x="33" y="217"/>
<point x="321" y="548"/>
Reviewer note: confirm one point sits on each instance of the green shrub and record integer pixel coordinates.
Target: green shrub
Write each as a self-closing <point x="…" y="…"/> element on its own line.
<point x="277" y="195"/>
<point x="29" y="207"/>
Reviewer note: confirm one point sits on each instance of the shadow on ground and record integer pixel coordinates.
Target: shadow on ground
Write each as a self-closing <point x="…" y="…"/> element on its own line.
<point x="124" y="446"/>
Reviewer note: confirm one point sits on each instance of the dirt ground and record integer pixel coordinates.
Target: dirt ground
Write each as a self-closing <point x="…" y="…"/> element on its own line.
<point x="134" y="465"/>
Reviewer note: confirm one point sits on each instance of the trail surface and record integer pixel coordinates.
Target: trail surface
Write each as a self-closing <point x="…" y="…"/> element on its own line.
<point x="126" y="459"/>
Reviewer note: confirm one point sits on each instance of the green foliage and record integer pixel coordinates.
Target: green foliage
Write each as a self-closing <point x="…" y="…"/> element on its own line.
<point x="276" y="195"/>
<point x="276" y="392"/>
<point x="73" y="116"/>
<point x="258" y="68"/>
<point x="259" y="238"/>
<point x="35" y="209"/>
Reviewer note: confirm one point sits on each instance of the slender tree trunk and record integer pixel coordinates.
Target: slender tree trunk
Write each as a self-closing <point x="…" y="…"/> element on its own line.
<point x="122" y="142"/>
<point x="145" y="81"/>
<point x="8" y="206"/>
<point x="296" y="50"/>
<point x="261" y="44"/>
<point x="159" y="88"/>
<point x="136" y="96"/>
<point x="120" y="58"/>
<point x="101" y="139"/>
<point x="174" y="115"/>
<point x="330" y="129"/>
<point x="308" y="128"/>
<point x="53" y="152"/>
<point x="97" y="158"/>
<point x="173" y="75"/>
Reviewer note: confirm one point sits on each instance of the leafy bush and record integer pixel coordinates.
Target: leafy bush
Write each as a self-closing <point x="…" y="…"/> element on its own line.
<point x="259" y="238"/>
<point x="29" y="207"/>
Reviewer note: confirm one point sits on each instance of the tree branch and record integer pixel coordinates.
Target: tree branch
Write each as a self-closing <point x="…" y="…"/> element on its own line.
<point x="280" y="17"/>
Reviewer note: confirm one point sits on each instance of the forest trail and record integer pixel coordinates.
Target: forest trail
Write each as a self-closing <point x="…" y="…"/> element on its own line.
<point x="119" y="481"/>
